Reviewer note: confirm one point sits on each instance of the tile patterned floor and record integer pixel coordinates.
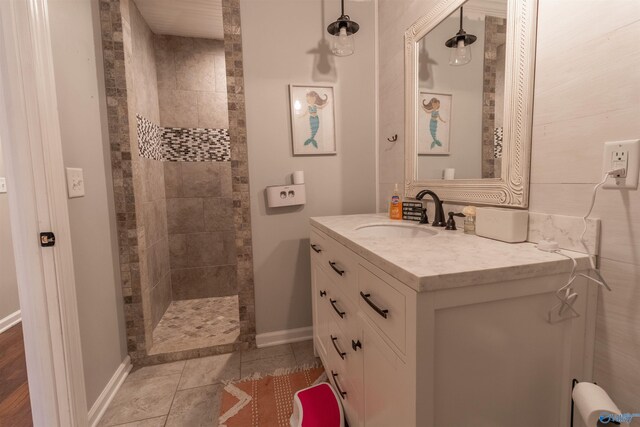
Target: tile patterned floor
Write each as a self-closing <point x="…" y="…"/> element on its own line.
<point x="197" y="323"/>
<point x="187" y="393"/>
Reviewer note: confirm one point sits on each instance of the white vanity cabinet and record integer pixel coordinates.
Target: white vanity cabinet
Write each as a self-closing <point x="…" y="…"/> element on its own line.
<point x="479" y="355"/>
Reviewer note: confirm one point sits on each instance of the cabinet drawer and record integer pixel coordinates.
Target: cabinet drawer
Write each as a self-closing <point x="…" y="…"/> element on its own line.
<point x="337" y="344"/>
<point x="341" y="377"/>
<point x="342" y="311"/>
<point x="342" y="266"/>
<point x="383" y="305"/>
<point x="318" y="247"/>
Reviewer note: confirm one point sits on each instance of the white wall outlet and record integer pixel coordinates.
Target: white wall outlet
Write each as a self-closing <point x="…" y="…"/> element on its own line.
<point x="622" y="155"/>
<point x="3" y="184"/>
<point x="75" y="182"/>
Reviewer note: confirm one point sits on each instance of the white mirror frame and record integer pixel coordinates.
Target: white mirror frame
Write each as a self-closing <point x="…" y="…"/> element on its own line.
<point x="512" y="188"/>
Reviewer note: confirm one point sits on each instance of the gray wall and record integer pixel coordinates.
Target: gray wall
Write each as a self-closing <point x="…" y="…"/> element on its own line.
<point x="583" y="97"/>
<point x="82" y="108"/>
<point x="341" y="184"/>
<point x="9" y="302"/>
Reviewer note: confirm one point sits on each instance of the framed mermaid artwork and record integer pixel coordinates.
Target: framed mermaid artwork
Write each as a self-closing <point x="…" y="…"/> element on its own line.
<point x="434" y="123"/>
<point x="313" y="120"/>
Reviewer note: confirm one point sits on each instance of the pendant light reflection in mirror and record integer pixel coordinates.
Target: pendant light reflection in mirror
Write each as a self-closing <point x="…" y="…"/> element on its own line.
<point x="460" y="45"/>
<point x="342" y="30"/>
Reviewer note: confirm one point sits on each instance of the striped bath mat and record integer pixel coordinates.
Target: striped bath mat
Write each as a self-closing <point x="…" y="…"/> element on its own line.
<point x="266" y="401"/>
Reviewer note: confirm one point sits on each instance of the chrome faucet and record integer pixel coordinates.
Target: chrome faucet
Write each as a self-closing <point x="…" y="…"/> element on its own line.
<point x="438" y="221"/>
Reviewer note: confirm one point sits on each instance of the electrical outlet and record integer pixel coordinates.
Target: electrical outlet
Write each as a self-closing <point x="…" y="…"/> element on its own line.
<point x="622" y="155"/>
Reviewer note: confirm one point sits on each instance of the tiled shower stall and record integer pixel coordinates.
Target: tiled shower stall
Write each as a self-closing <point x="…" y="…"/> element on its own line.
<point x="181" y="270"/>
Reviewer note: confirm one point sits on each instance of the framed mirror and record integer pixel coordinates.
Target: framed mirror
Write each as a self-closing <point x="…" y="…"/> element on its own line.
<point x="469" y="68"/>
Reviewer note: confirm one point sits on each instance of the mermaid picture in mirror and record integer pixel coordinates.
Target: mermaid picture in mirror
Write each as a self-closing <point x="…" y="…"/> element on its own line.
<point x="314" y="102"/>
<point x="434" y="124"/>
<point x="433" y="108"/>
<point x="313" y="122"/>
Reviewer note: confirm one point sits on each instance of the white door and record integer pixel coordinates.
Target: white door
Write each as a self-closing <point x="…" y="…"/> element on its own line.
<point x="30" y="138"/>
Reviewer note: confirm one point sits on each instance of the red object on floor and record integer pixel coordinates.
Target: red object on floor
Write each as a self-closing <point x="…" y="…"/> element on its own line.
<point x="317" y="406"/>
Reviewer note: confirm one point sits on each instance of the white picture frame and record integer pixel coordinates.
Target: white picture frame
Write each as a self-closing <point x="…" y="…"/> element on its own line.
<point x="434" y="141"/>
<point x="313" y="120"/>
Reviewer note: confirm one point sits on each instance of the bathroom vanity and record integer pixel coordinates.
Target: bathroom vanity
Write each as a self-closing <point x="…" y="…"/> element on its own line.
<point x="419" y="326"/>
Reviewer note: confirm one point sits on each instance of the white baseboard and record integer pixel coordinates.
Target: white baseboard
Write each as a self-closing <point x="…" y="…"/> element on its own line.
<point x="9" y="321"/>
<point x="269" y="339"/>
<point x="102" y="403"/>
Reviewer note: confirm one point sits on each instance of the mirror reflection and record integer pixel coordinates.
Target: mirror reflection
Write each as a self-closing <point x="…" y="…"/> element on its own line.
<point x="461" y="69"/>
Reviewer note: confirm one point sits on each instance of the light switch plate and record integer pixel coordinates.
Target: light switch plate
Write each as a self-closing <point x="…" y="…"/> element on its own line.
<point x="3" y="184"/>
<point x="75" y="182"/>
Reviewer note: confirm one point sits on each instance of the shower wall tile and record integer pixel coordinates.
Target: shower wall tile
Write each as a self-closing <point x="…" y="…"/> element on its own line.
<point x="212" y="110"/>
<point x="200" y="179"/>
<point x="154" y="216"/>
<point x="172" y="179"/>
<point x="218" y="214"/>
<point x="178" y="251"/>
<point x="185" y="215"/>
<point x="192" y="82"/>
<point x="160" y="298"/>
<point x="226" y="188"/>
<point x="202" y="249"/>
<point x="178" y="108"/>
<point x="165" y="68"/>
<point x="195" y="70"/>
<point x="205" y="249"/>
<point x="203" y="282"/>
<point x="221" y="75"/>
<point x="152" y="176"/>
<point x="158" y="261"/>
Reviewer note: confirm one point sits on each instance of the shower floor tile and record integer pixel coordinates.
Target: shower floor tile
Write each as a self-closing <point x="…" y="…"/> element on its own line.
<point x="197" y="323"/>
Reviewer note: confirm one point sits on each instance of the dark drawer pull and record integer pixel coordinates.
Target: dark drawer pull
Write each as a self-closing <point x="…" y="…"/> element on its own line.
<point x="378" y="310"/>
<point x="336" y="269"/>
<point x="341" y="354"/>
<point x="323" y="293"/>
<point x="333" y="304"/>
<point x="343" y="394"/>
<point x="316" y="248"/>
<point x="355" y="345"/>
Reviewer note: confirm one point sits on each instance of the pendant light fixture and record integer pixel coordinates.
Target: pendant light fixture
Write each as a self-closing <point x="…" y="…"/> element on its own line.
<point x="342" y="30"/>
<point x="460" y="45"/>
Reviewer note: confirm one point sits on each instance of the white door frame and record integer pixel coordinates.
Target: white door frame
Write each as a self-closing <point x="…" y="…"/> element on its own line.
<point x="32" y="147"/>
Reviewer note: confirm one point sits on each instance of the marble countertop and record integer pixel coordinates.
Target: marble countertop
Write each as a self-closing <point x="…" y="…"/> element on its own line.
<point x="448" y="259"/>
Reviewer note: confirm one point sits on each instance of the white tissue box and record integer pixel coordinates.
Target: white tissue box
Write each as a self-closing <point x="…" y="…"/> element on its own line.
<point x="507" y="225"/>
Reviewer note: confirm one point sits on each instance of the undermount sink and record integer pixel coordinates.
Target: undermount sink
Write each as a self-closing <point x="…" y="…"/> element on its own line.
<point x="395" y="230"/>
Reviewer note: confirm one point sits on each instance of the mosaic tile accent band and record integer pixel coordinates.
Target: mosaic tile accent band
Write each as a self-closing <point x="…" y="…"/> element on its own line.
<point x="196" y="145"/>
<point x="182" y="144"/>
<point x="497" y="142"/>
<point x="150" y="144"/>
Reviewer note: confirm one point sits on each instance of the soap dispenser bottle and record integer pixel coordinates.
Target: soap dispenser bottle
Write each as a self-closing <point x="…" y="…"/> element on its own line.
<point x="395" y="206"/>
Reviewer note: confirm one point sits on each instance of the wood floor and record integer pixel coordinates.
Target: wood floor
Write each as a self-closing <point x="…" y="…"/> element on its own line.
<point x="15" y="407"/>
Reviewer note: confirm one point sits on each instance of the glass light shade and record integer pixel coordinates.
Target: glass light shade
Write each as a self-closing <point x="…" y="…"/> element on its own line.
<point x="343" y="44"/>
<point x="461" y="54"/>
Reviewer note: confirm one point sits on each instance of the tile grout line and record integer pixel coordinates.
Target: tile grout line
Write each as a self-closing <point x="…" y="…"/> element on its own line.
<point x="174" y="393"/>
